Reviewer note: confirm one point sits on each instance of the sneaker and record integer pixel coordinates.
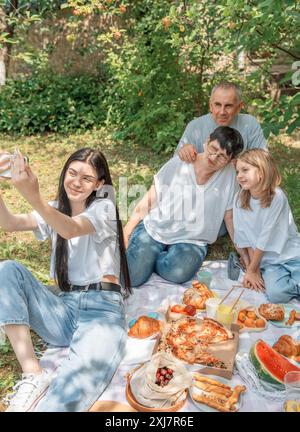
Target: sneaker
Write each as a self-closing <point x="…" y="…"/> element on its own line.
<point x="29" y="391"/>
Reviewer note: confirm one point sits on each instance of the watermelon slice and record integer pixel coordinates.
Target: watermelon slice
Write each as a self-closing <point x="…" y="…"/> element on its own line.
<point x="269" y="364"/>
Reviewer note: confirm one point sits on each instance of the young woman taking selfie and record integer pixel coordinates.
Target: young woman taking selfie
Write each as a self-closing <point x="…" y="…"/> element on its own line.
<point x="87" y="260"/>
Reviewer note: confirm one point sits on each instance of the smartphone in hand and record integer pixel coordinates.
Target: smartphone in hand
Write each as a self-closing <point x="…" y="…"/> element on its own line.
<point x="7" y="174"/>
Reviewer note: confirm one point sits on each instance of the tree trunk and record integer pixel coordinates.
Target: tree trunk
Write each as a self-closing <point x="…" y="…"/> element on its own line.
<point x="2" y="67"/>
<point x="3" y="48"/>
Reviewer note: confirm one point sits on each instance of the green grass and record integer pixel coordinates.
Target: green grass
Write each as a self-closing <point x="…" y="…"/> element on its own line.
<point x="47" y="155"/>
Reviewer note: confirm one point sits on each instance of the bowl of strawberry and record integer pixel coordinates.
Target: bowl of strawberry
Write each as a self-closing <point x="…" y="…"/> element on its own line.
<point x="163" y="376"/>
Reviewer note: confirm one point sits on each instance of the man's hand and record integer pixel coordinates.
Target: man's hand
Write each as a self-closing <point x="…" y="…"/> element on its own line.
<point x="188" y="153"/>
<point x="254" y="280"/>
<point x="126" y="234"/>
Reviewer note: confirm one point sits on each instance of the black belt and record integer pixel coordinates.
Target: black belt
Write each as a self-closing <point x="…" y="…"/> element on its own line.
<point x="99" y="286"/>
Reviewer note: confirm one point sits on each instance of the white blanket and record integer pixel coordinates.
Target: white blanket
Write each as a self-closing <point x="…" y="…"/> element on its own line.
<point x="149" y="298"/>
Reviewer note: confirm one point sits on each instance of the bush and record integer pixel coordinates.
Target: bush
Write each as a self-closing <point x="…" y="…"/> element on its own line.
<point x="48" y="102"/>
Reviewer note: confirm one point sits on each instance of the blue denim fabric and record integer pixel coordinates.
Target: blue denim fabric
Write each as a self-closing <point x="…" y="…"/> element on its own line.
<point x="176" y="263"/>
<point x="92" y="323"/>
<point x="282" y="281"/>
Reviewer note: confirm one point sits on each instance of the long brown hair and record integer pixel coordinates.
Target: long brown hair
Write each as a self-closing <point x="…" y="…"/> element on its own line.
<point x="98" y="161"/>
<point x="269" y="173"/>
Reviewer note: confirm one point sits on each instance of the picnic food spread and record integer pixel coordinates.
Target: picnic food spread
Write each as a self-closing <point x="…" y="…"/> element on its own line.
<point x="191" y="339"/>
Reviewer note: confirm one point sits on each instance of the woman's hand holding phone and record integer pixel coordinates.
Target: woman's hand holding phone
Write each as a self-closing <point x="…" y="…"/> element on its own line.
<point x="23" y="178"/>
<point x="5" y="162"/>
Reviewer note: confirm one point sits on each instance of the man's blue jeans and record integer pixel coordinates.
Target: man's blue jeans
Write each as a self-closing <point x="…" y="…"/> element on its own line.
<point x="176" y="263"/>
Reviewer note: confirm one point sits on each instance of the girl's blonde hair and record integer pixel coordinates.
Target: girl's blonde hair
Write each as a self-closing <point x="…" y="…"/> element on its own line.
<point x="269" y="173"/>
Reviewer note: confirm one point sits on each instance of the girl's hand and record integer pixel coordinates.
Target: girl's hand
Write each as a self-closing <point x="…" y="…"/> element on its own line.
<point x="254" y="280"/>
<point x="24" y="179"/>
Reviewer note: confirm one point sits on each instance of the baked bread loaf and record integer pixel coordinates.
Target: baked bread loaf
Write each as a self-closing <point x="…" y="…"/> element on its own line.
<point x="288" y="347"/>
<point x="144" y="327"/>
<point x="271" y="311"/>
<point x="197" y="295"/>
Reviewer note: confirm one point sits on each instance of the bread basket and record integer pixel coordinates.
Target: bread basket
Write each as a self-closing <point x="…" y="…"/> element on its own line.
<point x="180" y="401"/>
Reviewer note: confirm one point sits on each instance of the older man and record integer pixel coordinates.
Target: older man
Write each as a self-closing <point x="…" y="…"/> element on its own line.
<point x="225" y="105"/>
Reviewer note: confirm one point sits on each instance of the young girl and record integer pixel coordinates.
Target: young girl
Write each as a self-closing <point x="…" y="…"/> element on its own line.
<point x="265" y="229"/>
<point x="88" y="312"/>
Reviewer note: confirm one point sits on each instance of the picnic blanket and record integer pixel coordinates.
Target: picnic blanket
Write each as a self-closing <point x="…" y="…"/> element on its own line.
<point x="149" y="298"/>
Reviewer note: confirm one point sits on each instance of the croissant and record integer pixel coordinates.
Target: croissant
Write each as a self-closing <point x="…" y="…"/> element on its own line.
<point x="288" y="347"/>
<point x="144" y="327"/>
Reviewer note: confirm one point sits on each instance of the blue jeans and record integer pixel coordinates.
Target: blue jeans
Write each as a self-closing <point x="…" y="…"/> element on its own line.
<point x="176" y="263"/>
<point x="92" y="323"/>
<point x="282" y="281"/>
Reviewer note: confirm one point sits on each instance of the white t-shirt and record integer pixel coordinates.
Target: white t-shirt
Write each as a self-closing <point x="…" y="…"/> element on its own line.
<point x="187" y="212"/>
<point x="199" y="130"/>
<point x="90" y="256"/>
<point x="270" y="229"/>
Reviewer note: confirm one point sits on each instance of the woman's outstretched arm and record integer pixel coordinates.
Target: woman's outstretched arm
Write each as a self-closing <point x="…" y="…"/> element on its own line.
<point x="19" y="222"/>
<point x="8" y="221"/>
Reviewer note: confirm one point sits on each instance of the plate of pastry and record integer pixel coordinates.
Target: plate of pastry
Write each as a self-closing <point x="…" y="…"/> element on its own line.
<point x="215" y="394"/>
<point x="289" y="348"/>
<point x="281" y="315"/>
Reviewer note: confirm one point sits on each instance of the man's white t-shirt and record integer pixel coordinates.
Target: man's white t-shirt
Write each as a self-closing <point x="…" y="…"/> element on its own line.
<point x="271" y="229"/>
<point x="90" y="256"/>
<point x="187" y="212"/>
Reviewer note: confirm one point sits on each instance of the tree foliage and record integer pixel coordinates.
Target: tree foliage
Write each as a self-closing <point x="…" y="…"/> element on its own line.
<point x="162" y="57"/>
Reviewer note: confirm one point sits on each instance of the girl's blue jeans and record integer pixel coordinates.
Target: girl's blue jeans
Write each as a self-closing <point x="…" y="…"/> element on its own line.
<point x="282" y="281"/>
<point x="92" y="323"/>
<point x="176" y="263"/>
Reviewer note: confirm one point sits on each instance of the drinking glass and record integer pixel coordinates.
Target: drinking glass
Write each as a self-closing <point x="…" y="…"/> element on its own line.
<point x="292" y="389"/>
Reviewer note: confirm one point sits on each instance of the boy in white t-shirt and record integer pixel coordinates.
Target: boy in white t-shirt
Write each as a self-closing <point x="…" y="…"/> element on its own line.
<point x="182" y="212"/>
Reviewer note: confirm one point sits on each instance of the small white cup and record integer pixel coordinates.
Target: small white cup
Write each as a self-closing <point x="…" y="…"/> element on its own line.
<point x="212" y="306"/>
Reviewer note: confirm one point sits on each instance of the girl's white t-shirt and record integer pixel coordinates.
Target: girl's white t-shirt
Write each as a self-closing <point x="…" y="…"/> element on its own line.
<point x="90" y="256"/>
<point x="270" y="229"/>
<point x="187" y="212"/>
